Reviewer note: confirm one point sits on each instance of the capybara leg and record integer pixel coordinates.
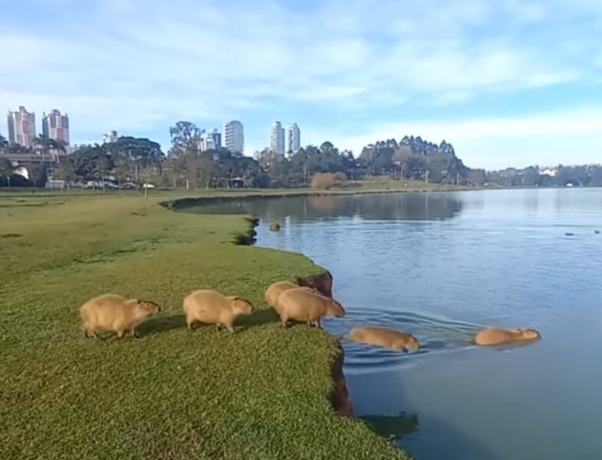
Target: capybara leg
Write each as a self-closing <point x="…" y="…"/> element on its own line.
<point x="189" y="324"/>
<point x="133" y="332"/>
<point x="319" y="323"/>
<point x="120" y="333"/>
<point x="218" y="326"/>
<point x="230" y="327"/>
<point x="283" y="321"/>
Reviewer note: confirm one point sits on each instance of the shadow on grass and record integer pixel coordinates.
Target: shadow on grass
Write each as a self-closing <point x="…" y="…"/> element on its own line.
<point x="158" y="324"/>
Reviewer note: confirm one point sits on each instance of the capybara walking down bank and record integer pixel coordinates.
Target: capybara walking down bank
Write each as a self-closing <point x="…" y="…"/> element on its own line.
<point x="302" y="304"/>
<point x="212" y="307"/>
<point x="386" y="337"/>
<point x="112" y="312"/>
<point x="276" y="288"/>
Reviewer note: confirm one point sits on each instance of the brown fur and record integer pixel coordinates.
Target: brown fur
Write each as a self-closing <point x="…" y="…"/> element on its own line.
<point x="274" y="226"/>
<point x="113" y="312"/>
<point x="301" y="304"/>
<point x="384" y="337"/>
<point x="275" y="289"/>
<point x="212" y="307"/>
<point x="499" y="336"/>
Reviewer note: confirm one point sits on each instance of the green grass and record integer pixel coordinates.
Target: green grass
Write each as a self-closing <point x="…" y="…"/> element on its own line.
<point x="261" y="393"/>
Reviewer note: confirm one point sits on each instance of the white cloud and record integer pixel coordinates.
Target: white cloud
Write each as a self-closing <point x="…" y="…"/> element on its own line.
<point x="139" y="66"/>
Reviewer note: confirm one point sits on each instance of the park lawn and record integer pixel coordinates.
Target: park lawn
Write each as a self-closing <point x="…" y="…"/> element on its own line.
<point x="261" y="393"/>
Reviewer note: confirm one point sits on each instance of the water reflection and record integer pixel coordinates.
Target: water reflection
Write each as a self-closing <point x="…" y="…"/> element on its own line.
<point x="378" y="206"/>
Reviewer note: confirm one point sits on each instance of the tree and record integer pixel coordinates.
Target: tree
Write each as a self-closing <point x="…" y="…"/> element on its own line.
<point x="130" y="154"/>
<point x="323" y="181"/>
<point x="3" y="143"/>
<point x="38" y="174"/>
<point x="91" y="162"/>
<point x="65" y="171"/>
<point x="48" y="147"/>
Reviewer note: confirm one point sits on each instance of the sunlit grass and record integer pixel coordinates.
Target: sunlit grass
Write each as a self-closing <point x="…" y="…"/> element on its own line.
<point x="261" y="393"/>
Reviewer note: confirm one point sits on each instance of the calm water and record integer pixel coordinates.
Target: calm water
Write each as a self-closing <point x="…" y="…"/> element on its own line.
<point x="441" y="266"/>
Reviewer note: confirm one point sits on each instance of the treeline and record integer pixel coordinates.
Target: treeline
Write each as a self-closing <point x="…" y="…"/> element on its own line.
<point x="559" y="176"/>
<point x="185" y="164"/>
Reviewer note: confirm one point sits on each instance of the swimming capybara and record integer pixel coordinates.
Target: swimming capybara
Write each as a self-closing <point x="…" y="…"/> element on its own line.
<point x="212" y="307"/>
<point x="383" y="337"/>
<point x="301" y="304"/>
<point x="274" y="290"/>
<point x="274" y="226"/>
<point x="112" y="312"/>
<point x="500" y="336"/>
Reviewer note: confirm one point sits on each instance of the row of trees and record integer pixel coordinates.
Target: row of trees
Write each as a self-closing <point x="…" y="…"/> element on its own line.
<point x="186" y="165"/>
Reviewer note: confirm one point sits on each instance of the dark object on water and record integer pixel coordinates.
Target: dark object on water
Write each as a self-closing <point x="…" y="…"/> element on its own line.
<point x="274" y="226"/>
<point x="569" y="234"/>
<point x="597" y="232"/>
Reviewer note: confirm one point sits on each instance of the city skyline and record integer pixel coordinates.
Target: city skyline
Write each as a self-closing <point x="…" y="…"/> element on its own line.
<point x="478" y="75"/>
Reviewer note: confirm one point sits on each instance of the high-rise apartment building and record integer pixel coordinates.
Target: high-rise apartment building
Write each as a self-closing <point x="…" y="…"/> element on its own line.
<point x="212" y="140"/>
<point x="21" y="127"/>
<point x="56" y="126"/>
<point x="234" y="136"/>
<point x="294" y="138"/>
<point x="109" y="137"/>
<point x="277" y="137"/>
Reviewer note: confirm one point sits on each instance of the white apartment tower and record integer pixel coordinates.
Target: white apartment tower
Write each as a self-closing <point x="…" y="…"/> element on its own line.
<point x="234" y="136"/>
<point x="56" y="126"/>
<point x="277" y="138"/>
<point x="21" y="127"/>
<point x="294" y="138"/>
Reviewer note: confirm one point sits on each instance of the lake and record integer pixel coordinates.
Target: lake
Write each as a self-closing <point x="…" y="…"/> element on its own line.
<point x="442" y="266"/>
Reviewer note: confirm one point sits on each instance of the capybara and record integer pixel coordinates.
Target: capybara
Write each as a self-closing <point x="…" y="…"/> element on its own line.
<point x="383" y="337"/>
<point x="499" y="336"/>
<point x="112" y="312"/>
<point x="274" y="290"/>
<point x="301" y="304"/>
<point x="274" y="226"/>
<point x="212" y="307"/>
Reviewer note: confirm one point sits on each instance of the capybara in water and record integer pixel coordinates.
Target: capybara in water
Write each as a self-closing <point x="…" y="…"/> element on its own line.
<point x="274" y="226"/>
<point x="302" y="304"/>
<point x="113" y="312"/>
<point x="499" y="336"/>
<point x="212" y="307"/>
<point x="383" y="337"/>
<point x="274" y="290"/>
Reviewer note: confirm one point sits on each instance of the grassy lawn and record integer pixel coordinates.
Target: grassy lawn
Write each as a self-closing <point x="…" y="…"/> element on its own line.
<point x="261" y="393"/>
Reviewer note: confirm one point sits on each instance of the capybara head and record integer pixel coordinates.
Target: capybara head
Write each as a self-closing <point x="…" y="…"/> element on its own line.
<point x="240" y="305"/>
<point x="334" y="308"/>
<point x="528" y="333"/>
<point x="148" y="307"/>
<point x="411" y="343"/>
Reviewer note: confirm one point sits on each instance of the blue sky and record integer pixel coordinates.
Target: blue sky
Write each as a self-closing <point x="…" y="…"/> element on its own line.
<point x="507" y="82"/>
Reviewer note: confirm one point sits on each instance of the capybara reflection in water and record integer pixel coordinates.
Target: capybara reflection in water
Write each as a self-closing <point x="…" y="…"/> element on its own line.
<point x="212" y="307"/>
<point x="500" y="336"/>
<point x="275" y="289"/>
<point x="303" y="304"/>
<point x="112" y="312"/>
<point x="383" y="337"/>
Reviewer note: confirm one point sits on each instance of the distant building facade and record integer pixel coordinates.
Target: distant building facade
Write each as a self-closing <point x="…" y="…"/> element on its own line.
<point x="111" y="136"/>
<point x="277" y="137"/>
<point x="234" y="136"/>
<point x="21" y="127"/>
<point x="294" y="138"/>
<point x="56" y="126"/>
<point x="212" y="140"/>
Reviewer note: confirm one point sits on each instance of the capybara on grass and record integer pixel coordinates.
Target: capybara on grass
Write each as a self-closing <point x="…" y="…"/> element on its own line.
<point x="275" y="289"/>
<point x="383" y="337"/>
<point x="500" y="336"/>
<point x="212" y="307"/>
<point x="112" y="312"/>
<point x="303" y="304"/>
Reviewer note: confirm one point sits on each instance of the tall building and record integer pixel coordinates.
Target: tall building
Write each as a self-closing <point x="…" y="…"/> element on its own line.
<point x="294" y="138"/>
<point x="21" y="127"/>
<point x="277" y="138"/>
<point x="212" y="140"/>
<point x="234" y="136"/>
<point x="56" y="126"/>
<point x="109" y="137"/>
